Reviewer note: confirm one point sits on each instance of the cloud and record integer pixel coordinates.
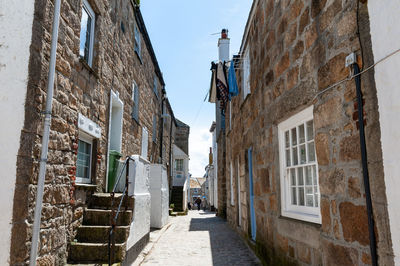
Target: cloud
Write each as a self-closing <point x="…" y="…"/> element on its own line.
<point x="199" y="147"/>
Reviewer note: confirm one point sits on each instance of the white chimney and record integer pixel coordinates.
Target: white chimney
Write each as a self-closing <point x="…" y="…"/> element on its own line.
<point x="223" y="46"/>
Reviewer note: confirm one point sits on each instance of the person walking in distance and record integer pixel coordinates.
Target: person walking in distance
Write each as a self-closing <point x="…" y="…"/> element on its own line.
<point x="198" y="203"/>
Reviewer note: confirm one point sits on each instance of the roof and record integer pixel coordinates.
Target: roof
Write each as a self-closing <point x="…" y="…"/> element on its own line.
<point x="181" y="124"/>
<point x="194" y="184"/>
<point x="143" y="30"/>
<point x="201" y="180"/>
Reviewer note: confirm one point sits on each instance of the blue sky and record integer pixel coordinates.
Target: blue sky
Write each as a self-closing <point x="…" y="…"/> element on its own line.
<point x="181" y="35"/>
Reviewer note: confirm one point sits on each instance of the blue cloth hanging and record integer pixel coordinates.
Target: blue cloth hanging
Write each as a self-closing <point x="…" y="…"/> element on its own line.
<point x="233" y="87"/>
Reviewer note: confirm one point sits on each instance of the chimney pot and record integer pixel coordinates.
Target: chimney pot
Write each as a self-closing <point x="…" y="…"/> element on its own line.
<point x="224" y="34"/>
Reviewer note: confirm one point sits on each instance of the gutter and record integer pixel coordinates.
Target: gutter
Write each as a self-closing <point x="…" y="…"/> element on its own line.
<point x="143" y="30"/>
<point x="46" y="135"/>
<point x="247" y="28"/>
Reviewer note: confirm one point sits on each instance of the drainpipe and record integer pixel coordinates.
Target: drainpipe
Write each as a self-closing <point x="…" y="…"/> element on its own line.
<point x="46" y="134"/>
<point x="162" y="125"/>
<point x="371" y="227"/>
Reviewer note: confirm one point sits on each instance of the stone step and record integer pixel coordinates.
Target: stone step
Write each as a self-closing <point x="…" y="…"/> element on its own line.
<point x="103" y="201"/>
<point x="94" y="253"/>
<point x="100" y="234"/>
<point x="102" y="217"/>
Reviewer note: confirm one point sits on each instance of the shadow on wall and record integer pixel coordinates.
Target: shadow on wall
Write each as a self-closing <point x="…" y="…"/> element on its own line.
<point x="223" y="241"/>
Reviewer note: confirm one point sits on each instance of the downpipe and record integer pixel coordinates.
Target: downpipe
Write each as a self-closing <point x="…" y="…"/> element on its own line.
<point x="46" y="134"/>
<point x="371" y="226"/>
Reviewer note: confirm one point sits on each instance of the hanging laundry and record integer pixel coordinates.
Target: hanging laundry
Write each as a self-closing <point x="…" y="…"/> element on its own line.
<point x="213" y="89"/>
<point x="222" y="86"/>
<point x="233" y="87"/>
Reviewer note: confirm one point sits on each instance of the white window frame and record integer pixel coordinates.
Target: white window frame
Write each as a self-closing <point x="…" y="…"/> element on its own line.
<point x="176" y="165"/>
<point x="137" y="42"/>
<point x="231" y="179"/>
<point x="91" y="13"/>
<point x="246" y="73"/>
<point x="309" y="214"/>
<point x="89" y="140"/>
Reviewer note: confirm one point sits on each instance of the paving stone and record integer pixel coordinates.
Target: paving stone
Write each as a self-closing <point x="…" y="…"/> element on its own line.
<point x="200" y="238"/>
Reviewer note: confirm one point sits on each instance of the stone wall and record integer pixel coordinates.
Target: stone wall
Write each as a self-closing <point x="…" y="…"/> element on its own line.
<point x="78" y="89"/>
<point x="297" y="49"/>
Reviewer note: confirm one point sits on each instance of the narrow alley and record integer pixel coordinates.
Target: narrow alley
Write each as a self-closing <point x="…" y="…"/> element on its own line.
<point x="200" y="238"/>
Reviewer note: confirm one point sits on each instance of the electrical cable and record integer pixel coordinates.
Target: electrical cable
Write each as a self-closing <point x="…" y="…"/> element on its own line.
<point x="355" y="75"/>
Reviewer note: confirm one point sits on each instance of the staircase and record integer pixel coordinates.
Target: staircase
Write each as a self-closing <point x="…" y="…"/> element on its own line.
<point x="177" y="198"/>
<point x="91" y="241"/>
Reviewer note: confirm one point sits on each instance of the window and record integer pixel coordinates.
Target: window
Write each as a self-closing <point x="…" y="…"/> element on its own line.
<point x="135" y="98"/>
<point x="179" y="164"/>
<point x="87" y="33"/>
<point x="246" y="73"/>
<point x="299" y="169"/>
<point x="145" y="140"/>
<point x="84" y="160"/>
<point x="155" y="86"/>
<point x="154" y="128"/>
<point x="138" y="46"/>
<point x="232" y="192"/>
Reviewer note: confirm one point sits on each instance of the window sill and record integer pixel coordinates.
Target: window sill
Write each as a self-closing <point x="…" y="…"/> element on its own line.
<point x="245" y="100"/>
<point x="139" y="57"/>
<point x="301" y="217"/>
<point x="89" y="68"/>
<point x="86" y="187"/>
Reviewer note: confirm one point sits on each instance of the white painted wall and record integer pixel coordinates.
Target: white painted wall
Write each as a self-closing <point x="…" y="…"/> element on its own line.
<point x="159" y="195"/>
<point x="179" y="178"/>
<point x="385" y="34"/>
<point x="16" y="19"/>
<point x="139" y="187"/>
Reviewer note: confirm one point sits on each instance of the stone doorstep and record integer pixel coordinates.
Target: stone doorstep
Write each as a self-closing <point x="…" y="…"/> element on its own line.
<point x="103" y="201"/>
<point x="94" y="252"/>
<point x="154" y="237"/>
<point x="102" y="217"/>
<point x="100" y="234"/>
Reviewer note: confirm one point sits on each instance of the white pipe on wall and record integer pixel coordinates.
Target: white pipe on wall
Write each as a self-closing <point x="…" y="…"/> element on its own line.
<point x="46" y="134"/>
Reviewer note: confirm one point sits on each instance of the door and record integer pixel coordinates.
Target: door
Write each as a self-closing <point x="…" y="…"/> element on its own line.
<point x="251" y="192"/>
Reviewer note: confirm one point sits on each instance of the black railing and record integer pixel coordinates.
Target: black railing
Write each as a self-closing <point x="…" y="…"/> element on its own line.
<point x="115" y="213"/>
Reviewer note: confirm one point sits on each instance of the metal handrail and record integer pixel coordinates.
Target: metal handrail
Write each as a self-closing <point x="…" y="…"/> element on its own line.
<point x="114" y="215"/>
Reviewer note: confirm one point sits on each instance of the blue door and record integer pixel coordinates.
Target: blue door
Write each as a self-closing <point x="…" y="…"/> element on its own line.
<point x="252" y="211"/>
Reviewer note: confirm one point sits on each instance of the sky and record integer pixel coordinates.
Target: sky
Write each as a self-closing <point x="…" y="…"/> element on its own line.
<point x="184" y="35"/>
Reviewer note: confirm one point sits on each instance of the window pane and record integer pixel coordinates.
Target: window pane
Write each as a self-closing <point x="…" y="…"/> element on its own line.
<point x="287" y="157"/>
<point x="287" y="140"/>
<point x="294" y="136"/>
<point x="300" y="177"/>
<point x="310" y="130"/>
<point x="302" y="137"/>
<point x="309" y="200"/>
<point x="295" y="157"/>
<point x="294" y="196"/>
<point x="314" y="168"/>
<point x="311" y="152"/>
<point x="83" y="160"/>
<point x="301" y="196"/>
<point x="84" y="29"/>
<point x="303" y="157"/>
<point x="293" y="176"/>
<point x="308" y="176"/>
<point x="316" y="194"/>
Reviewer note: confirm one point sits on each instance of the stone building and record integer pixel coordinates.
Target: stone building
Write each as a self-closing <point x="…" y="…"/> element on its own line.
<point x="109" y="96"/>
<point x="294" y="178"/>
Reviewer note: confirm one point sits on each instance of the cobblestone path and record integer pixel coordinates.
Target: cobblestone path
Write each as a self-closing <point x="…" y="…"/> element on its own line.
<point x="199" y="238"/>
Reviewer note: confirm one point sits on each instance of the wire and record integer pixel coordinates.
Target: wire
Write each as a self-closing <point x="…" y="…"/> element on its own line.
<point x="356" y="75"/>
<point x="359" y="34"/>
